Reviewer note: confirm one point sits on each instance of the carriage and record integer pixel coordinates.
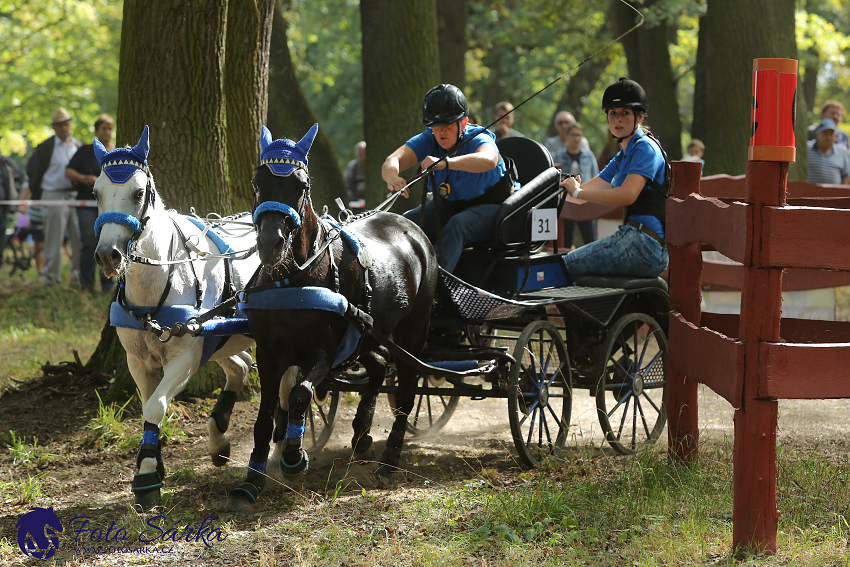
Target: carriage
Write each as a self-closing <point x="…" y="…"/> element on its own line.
<point x="507" y="325"/>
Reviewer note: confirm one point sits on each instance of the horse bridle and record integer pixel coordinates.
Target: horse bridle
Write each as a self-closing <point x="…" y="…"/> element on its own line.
<point x="137" y="225"/>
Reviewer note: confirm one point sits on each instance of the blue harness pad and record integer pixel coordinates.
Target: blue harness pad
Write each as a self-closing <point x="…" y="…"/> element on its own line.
<point x="223" y="247"/>
<point x="349" y="237"/>
<point x="309" y="297"/>
<point x="213" y="330"/>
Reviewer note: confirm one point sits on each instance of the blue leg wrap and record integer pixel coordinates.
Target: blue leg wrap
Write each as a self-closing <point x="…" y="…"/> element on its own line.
<point x="258" y="468"/>
<point x="294" y="431"/>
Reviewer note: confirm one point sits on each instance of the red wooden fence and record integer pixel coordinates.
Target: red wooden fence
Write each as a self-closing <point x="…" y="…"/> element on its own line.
<point x="757" y="358"/>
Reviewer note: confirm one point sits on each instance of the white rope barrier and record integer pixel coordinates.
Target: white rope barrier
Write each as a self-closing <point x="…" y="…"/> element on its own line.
<point x="49" y="203"/>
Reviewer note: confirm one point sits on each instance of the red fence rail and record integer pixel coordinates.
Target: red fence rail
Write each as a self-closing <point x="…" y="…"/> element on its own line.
<point x="757" y="358"/>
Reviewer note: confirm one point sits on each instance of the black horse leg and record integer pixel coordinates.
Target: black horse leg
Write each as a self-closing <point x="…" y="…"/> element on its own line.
<point x="246" y="494"/>
<point x="405" y="396"/>
<point x="376" y="369"/>
<point x="221" y="416"/>
<point x="295" y="460"/>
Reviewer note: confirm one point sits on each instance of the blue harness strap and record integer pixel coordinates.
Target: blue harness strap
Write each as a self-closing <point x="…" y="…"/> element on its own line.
<point x="223" y="247"/>
<point x="170" y="314"/>
<point x="118" y="218"/>
<point x="279" y="207"/>
<point x="320" y="298"/>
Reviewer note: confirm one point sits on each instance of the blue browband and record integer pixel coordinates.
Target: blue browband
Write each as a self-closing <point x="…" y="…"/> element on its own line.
<point x="119" y="218"/>
<point x="279" y="207"/>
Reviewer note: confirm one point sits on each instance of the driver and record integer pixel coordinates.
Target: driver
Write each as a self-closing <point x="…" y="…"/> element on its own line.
<point x="470" y="184"/>
<point x="635" y="178"/>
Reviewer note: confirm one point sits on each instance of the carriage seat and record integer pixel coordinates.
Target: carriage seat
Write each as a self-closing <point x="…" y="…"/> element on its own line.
<point x="622" y="282"/>
<point x="539" y="180"/>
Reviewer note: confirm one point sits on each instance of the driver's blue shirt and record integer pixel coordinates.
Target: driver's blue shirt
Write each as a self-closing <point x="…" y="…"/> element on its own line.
<point x="643" y="157"/>
<point x="459" y="185"/>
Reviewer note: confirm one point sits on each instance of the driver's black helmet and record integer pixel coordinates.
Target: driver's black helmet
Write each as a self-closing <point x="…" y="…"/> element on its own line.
<point x="625" y="93"/>
<point x="443" y="105"/>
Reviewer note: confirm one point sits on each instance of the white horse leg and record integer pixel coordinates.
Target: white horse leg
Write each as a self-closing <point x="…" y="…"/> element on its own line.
<point x="176" y="374"/>
<point x="286" y="384"/>
<point x="236" y="369"/>
<point x="145" y="377"/>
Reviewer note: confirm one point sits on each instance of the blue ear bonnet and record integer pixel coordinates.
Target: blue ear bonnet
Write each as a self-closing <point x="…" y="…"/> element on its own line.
<point x="121" y="164"/>
<point x="283" y="156"/>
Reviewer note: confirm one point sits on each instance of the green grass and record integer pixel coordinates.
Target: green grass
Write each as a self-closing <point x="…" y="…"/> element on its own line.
<point x="108" y="428"/>
<point x="644" y="511"/>
<point x="24" y="491"/>
<point x="24" y="453"/>
<point x="40" y="324"/>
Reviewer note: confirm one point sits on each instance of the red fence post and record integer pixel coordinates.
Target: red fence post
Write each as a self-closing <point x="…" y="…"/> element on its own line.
<point x="755" y="514"/>
<point x="685" y="272"/>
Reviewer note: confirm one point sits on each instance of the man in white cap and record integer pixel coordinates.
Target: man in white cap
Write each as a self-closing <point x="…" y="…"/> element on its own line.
<point x="828" y="162"/>
<point x="46" y="171"/>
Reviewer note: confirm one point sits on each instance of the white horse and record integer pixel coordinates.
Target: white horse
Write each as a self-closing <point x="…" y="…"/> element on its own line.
<point x="138" y="239"/>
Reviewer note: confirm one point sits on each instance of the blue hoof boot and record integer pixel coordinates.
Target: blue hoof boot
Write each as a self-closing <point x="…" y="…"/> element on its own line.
<point x="299" y="468"/>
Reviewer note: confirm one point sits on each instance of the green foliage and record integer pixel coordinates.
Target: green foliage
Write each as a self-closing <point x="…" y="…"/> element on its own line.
<point x="56" y="53"/>
<point x="324" y="38"/>
<point x="108" y="428"/>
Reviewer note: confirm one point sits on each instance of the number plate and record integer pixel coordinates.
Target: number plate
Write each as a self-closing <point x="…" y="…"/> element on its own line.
<point x="544" y="224"/>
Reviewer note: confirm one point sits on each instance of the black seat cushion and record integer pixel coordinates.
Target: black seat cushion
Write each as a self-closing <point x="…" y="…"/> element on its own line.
<point x="621" y="282"/>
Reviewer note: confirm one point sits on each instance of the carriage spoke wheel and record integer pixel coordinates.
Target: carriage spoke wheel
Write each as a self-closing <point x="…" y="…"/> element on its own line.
<point x="539" y="393"/>
<point x="431" y="412"/>
<point x="632" y="392"/>
<point x="320" y="420"/>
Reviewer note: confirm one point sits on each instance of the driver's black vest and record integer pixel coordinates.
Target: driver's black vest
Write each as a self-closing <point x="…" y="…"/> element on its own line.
<point x="652" y="202"/>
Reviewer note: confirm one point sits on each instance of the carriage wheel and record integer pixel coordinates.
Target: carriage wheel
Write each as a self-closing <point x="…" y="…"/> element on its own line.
<point x="431" y="412"/>
<point x="540" y="393"/>
<point x="632" y="391"/>
<point x="320" y="420"/>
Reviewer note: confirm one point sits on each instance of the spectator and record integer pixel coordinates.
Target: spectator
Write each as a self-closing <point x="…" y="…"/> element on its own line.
<point x="11" y="178"/>
<point x="83" y="171"/>
<point x="695" y="151"/>
<point x="36" y="232"/>
<point x="46" y="171"/>
<point x="828" y="162"/>
<point x="575" y="160"/>
<point x="557" y="144"/>
<point x="504" y="128"/>
<point x="355" y="178"/>
<point x="833" y="110"/>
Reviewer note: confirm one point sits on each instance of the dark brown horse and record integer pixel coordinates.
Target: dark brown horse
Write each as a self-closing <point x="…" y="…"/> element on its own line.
<point x="310" y="258"/>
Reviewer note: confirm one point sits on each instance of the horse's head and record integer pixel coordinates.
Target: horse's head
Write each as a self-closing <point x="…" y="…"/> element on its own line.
<point x="125" y="192"/>
<point x="281" y="194"/>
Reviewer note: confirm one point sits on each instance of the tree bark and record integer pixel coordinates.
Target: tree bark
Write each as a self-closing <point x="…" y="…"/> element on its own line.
<point x="290" y="115"/>
<point x="810" y="82"/>
<point x="738" y="32"/>
<point x="400" y="64"/>
<point x="648" y="60"/>
<point x="451" y="32"/>
<point x="249" y="29"/>
<point x="173" y="79"/>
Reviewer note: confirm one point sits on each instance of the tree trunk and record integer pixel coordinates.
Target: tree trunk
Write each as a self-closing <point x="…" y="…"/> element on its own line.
<point x="400" y="64"/>
<point x="290" y="115"/>
<point x="648" y="60"/>
<point x="738" y="32"/>
<point x="451" y="33"/>
<point x="810" y="83"/>
<point x="172" y="79"/>
<point x="249" y="29"/>
<point x="699" y="126"/>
